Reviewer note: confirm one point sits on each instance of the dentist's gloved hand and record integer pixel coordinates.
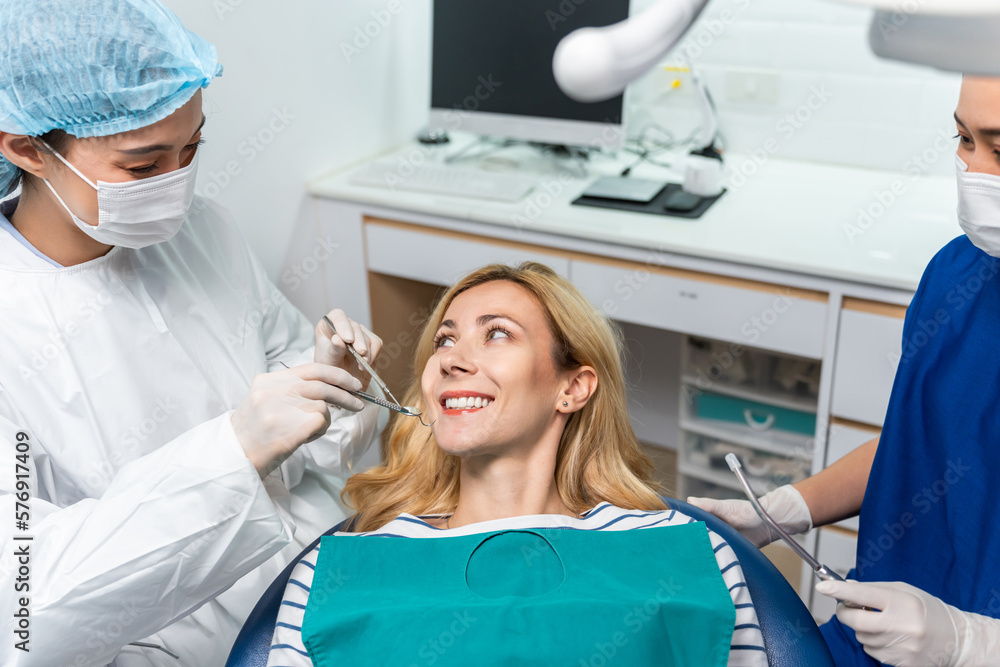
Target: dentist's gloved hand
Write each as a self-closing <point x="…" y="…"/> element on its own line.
<point x="785" y="505"/>
<point x="286" y="409"/>
<point x="914" y="628"/>
<point x="331" y="346"/>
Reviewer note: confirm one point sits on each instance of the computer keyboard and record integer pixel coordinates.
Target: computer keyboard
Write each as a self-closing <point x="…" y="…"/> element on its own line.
<point x="445" y="180"/>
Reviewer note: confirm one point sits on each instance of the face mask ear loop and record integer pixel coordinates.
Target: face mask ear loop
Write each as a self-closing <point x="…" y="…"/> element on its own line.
<point x="60" y="199"/>
<point x="66" y="162"/>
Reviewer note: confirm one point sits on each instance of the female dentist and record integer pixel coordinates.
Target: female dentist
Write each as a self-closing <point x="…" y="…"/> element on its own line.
<point x="154" y="457"/>
<point x="929" y="541"/>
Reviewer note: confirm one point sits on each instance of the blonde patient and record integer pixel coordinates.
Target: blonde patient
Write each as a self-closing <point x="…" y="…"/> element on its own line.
<point x="521" y="380"/>
<point x="552" y="438"/>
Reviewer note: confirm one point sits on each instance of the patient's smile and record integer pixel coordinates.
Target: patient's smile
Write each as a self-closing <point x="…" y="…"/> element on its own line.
<point x="454" y="402"/>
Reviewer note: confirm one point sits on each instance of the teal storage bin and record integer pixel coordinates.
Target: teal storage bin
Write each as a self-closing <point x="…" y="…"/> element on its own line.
<point x="758" y="416"/>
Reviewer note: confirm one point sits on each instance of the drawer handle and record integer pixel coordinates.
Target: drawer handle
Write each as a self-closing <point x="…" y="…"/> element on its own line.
<point x="756" y="425"/>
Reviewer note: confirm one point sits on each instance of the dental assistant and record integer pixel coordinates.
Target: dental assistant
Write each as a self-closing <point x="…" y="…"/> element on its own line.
<point x="159" y="465"/>
<point x="929" y="542"/>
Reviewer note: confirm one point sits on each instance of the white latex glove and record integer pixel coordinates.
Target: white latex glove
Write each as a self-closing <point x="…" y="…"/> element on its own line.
<point x="914" y="628"/>
<point x="331" y="346"/>
<point x="286" y="409"/>
<point x="785" y="505"/>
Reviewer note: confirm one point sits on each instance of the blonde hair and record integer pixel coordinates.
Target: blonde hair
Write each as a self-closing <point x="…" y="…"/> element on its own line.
<point x="599" y="458"/>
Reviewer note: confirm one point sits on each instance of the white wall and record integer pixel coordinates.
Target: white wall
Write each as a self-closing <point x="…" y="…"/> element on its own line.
<point x="287" y="70"/>
<point x="877" y="113"/>
<point x="346" y="106"/>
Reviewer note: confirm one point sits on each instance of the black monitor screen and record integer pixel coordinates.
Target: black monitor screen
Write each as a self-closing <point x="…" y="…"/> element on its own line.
<point x="496" y="56"/>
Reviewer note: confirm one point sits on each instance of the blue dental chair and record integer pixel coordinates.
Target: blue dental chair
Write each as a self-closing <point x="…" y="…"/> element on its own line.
<point x="791" y="637"/>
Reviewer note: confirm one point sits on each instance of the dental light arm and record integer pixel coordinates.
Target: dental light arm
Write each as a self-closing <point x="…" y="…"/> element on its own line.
<point x="933" y="7"/>
<point x="594" y="64"/>
<point x="951" y="43"/>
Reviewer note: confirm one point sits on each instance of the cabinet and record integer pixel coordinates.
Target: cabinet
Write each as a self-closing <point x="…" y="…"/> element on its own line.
<point x="868" y="351"/>
<point x="742" y="312"/>
<point x="844" y="437"/>
<point x="393" y="249"/>
<point x="760" y="405"/>
<point x="869" y="344"/>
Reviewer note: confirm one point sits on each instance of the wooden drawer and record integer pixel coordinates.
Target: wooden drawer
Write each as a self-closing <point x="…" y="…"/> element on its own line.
<point x="868" y="349"/>
<point x="837" y="549"/>
<point x="441" y="257"/>
<point x="754" y="314"/>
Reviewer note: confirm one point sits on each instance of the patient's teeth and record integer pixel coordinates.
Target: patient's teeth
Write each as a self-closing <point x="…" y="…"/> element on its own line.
<point x="466" y="403"/>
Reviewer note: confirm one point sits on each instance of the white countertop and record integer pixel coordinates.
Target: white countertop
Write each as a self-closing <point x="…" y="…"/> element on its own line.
<point x="793" y="216"/>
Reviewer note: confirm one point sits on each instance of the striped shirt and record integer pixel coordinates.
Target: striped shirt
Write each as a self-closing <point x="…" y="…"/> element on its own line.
<point x="746" y="649"/>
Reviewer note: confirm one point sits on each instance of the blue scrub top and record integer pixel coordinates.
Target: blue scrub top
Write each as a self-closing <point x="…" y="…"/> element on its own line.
<point x="929" y="516"/>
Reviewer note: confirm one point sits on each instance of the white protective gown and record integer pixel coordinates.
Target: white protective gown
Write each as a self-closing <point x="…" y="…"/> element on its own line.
<point x="123" y="373"/>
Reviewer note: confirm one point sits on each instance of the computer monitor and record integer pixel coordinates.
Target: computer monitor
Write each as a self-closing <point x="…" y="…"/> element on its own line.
<point x="491" y="71"/>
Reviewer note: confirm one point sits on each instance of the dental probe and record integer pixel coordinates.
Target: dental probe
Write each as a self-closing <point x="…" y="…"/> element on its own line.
<point x="364" y="364"/>
<point x="381" y="402"/>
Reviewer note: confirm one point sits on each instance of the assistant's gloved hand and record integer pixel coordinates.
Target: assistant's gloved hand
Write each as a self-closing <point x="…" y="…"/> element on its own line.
<point x="286" y="409"/>
<point x="914" y="628"/>
<point x="331" y="346"/>
<point x="785" y="505"/>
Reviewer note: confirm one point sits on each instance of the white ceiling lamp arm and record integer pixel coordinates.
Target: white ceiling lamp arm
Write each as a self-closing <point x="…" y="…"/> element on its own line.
<point x="594" y="64"/>
<point x="932" y="7"/>
<point x="965" y="44"/>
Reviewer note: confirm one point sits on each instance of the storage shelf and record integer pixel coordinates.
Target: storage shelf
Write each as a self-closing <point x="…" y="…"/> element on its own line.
<point x="769" y="396"/>
<point x="782" y="444"/>
<point x="719" y="478"/>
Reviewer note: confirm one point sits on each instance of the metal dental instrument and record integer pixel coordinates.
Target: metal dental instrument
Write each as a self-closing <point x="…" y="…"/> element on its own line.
<point x="820" y="570"/>
<point x="365" y="365"/>
<point x="157" y="647"/>
<point x="381" y="402"/>
<point x="394" y="405"/>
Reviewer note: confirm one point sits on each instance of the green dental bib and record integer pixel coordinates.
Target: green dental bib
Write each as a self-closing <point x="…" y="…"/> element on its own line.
<point x="577" y="598"/>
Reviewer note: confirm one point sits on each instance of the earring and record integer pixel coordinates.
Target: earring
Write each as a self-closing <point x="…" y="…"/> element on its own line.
<point x="565" y="404"/>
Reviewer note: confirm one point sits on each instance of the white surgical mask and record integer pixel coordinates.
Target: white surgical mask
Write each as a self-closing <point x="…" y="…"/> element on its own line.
<point x="139" y="213"/>
<point x="979" y="208"/>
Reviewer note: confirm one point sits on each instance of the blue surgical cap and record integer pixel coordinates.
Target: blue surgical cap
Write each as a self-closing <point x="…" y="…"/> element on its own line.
<point x="94" y="67"/>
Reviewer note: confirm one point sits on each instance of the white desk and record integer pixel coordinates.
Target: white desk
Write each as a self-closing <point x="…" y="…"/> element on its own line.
<point x="845" y="247"/>
<point x="795" y="217"/>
